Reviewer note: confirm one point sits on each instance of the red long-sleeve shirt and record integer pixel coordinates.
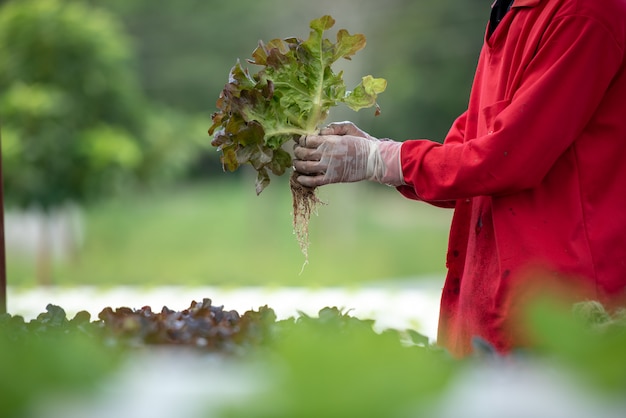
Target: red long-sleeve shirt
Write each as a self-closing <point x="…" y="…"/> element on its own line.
<point x="535" y="169"/>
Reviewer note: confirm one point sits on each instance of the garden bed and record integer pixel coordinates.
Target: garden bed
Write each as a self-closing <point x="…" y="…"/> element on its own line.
<point x="396" y="304"/>
<point x="211" y="361"/>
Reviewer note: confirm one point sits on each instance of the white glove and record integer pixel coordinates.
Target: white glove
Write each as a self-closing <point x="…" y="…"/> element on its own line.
<point x="343" y="153"/>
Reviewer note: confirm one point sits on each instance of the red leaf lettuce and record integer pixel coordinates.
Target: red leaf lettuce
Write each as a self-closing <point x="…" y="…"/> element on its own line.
<point x="288" y="97"/>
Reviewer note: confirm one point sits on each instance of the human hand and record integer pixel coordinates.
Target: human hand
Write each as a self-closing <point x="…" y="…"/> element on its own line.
<point x="345" y="128"/>
<point x="343" y="153"/>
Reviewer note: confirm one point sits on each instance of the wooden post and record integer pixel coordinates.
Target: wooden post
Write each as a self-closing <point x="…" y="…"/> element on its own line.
<point x="3" y="263"/>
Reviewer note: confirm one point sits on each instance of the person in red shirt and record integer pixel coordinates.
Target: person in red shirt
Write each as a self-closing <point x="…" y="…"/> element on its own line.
<point x="535" y="168"/>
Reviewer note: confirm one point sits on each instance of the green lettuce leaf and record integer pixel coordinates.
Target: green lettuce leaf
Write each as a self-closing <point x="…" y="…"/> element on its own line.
<point x="289" y="96"/>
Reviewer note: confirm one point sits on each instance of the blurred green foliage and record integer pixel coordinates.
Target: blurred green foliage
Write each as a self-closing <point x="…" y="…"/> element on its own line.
<point x="76" y="123"/>
<point x="331" y="365"/>
<point x="590" y="343"/>
<point x="219" y="233"/>
<point x="71" y="106"/>
<point x="428" y="51"/>
<point x="47" y="358"/>
<point x="335" y="365"/>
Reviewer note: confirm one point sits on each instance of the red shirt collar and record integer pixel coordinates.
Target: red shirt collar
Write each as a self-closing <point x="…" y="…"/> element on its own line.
<point x="522" y="3"/>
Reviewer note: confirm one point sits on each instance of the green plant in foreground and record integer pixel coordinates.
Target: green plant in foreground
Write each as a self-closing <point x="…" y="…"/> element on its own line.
<point x="288" y="97"/>
<point x="336" y="365"/>
<point x="588" y="340"/>
<point x="332" y="365"/>
<point x="50" y="357"/>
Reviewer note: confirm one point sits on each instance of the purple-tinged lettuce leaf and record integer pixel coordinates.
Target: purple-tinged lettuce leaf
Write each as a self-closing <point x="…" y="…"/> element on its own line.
<point x="289" y="96"/>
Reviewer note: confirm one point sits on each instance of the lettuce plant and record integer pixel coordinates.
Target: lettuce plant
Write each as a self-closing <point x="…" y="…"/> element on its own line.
<point x="288" y="97"/>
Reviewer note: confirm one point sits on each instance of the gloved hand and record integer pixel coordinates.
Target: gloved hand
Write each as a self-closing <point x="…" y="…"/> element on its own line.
<point x="343" y="153"/>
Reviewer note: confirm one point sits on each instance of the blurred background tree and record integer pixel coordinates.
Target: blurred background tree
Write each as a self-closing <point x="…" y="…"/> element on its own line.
<point x="76" y="124"/>
<point x="71" y="105"/>
<point x="112" y="98"/>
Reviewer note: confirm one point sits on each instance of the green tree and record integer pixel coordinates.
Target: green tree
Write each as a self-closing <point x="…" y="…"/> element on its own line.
<point x="70" y="104"/>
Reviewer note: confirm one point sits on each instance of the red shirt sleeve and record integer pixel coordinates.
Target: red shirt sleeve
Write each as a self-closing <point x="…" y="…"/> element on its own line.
<point x="522" y="136"/>
<point x="455" y="135"/>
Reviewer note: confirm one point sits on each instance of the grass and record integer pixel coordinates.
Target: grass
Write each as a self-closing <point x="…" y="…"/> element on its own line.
<point x="221" y="233"/>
